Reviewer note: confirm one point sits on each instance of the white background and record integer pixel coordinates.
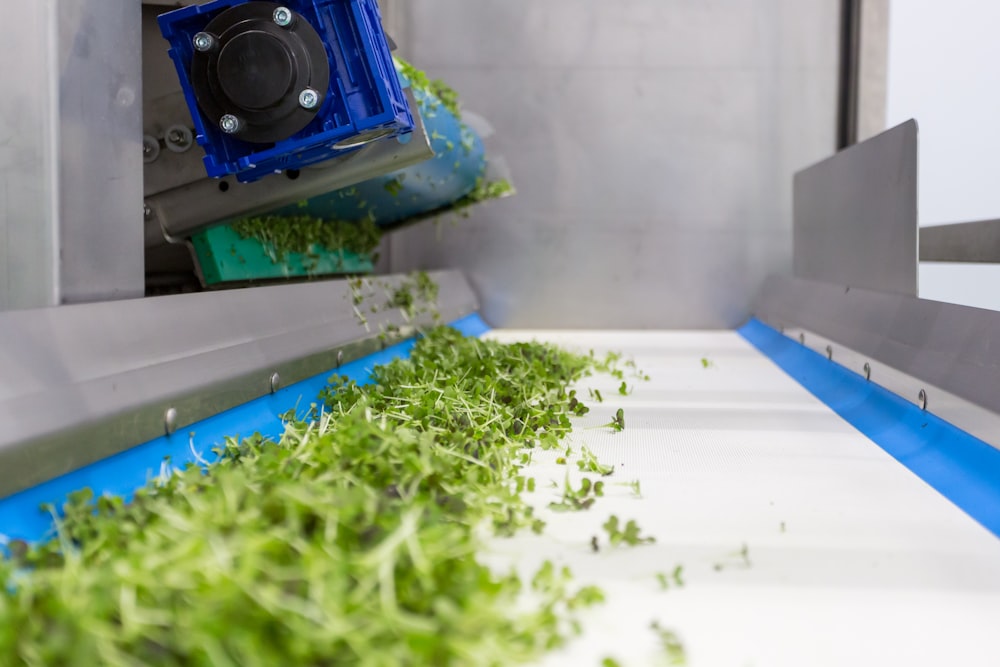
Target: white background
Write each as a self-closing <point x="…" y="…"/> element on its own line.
<point x="944" y="70"/>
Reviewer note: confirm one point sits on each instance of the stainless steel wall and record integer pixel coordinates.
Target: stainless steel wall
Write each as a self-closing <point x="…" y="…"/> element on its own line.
<point x="652" y="143"/>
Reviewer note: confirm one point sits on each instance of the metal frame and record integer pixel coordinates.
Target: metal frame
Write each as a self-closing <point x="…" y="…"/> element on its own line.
<point x="977" y="242"/>
<point x="71" y="176"/>
<point x="80" y="383"/>
<point x="854" y="296"/>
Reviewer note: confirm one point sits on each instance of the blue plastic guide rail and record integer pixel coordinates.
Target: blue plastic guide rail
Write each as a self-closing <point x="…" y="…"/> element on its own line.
<point x="123" y="473"/>
<point x="964" y="469"/>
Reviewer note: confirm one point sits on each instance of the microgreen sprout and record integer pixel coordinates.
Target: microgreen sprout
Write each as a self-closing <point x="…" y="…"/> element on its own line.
<point x="739" y="559"/>
<point x="671" y="644"/>
<point x="707" y="363"/>
<point x="629" y="535"/>
<point x="623" y="389"/>
<point x="596" y="395"/>
<point x="575" y="500"/>
<point x="618" y="423"/>
<point x="588" y="463"/>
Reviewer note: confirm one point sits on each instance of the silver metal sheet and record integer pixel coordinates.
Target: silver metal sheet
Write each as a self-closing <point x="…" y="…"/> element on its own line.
<point x="856" y="215"/>
<point x="962" y="242"/>
<point x="70" y="153"/>
<point x="947" y="346"/>
<point x="79" y="383"/>
<point x="652" y="144"/>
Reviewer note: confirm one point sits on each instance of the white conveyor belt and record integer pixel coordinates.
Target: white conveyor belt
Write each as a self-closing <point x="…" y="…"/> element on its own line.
<point x="854" y="560"/>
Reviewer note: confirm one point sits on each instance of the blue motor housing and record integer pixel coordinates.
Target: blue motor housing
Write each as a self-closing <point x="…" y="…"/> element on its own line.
<point x="281" y="86"/>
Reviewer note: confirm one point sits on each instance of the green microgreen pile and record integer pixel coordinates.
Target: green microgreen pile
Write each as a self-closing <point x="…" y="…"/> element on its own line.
<point x="309" y="236"/>
<point x="350" y="541"/>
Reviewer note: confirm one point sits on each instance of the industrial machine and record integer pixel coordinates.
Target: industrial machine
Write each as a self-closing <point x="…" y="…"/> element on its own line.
<point x="296" y="116"/>
<point x="828" y="474"/>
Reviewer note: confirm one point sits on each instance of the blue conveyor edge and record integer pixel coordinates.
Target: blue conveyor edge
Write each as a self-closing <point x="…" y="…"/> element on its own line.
<point x="959" y="466"/>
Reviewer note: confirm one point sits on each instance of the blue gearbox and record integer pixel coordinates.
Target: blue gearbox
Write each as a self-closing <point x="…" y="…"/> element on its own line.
<point x="276" y="86"/>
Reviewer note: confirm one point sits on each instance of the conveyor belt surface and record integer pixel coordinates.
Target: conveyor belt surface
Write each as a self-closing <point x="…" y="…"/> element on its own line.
<point x="853" y="559"/>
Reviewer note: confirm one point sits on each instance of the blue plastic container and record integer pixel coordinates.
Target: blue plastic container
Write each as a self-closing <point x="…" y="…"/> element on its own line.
<point x="362" y="100"/>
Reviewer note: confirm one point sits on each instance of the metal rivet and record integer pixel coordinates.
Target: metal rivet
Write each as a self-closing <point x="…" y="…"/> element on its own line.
<point x="283" y="16"/>
<point x="922" y="399"/>
<point x="829" y="352"/>
<point x="275" y="382"/>
<point x="868" y="371"/>
<point x="230" y="124"/>
<point x="150" y="148"/>
<point x="203" y="42"/>
<point x="340" y="357"/>
<point x="178" y="138"/>
<point x="170" y="420"/>
<point x="308" y="99"/>
<point x="802" y="338"/>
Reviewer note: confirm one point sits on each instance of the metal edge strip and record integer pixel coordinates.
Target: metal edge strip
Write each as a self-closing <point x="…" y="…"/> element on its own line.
<point x="123" y="473"/>
<point x="949" y="347"/>
<point x="977" y="241"/>
<point x="81" y="383"/>
<point x="963" y="468"/>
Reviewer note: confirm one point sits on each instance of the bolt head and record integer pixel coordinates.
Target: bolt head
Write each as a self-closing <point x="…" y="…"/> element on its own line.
<point x="308" y="99"/>
<point x="170" y="420"/>
<point x="283" y="16"/>
<point x="275" y="382"/>
<point x="203" y="41"/>
<point x="230" y="124"/>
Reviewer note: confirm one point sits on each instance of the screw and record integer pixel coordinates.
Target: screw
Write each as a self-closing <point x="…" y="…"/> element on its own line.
<point x="309" y="99"/>
<point x="178" y="138"/>
<point x="150" y="148"/>
<point x="922" y="398"/>
<point x="203" y="42"/>
<point x="340" y="357"/>
<point x="230" y="124"/>
<point x="275" y="382"/>
<point x="868" y="371"/>
<point x="170" y="420"/>
<point x="147" y="212"/>
<point x="283" y="16"/>
<point x="829" y="352"/>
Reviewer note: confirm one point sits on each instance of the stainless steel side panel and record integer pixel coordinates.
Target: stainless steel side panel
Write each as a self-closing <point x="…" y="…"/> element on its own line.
<point x="79" y="383"/>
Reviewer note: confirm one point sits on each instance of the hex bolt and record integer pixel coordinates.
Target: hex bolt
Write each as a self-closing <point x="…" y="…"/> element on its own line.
<point x="230" y="124"/>
<point x="308" y="99"/>
<point x="275" y="382"/>
<point x="922" y="399"/>
<point x="178" y="138"/>
<point x="283" y="16"/>
<point x="203" y="42"/>
<point x="150" y="148"/>
<point x="868" y="371"/>
<point x="170" y="420"/>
